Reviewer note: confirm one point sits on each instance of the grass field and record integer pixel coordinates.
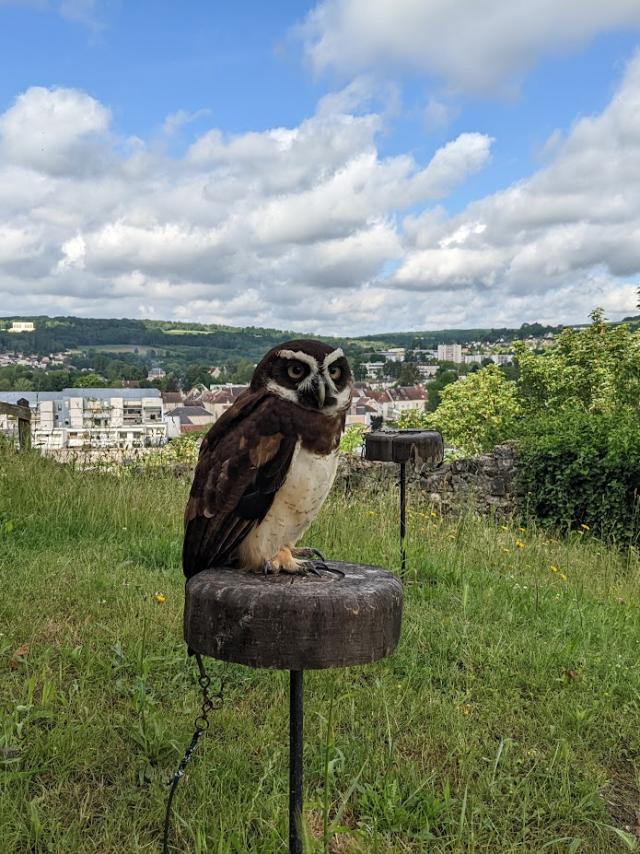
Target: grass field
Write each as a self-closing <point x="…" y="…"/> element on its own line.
<point x="507" y="721"/>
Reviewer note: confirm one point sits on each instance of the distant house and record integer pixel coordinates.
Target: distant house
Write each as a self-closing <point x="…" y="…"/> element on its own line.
<point x="394" y="354"/>
<point x="391" y="402"/>
<point x="171" y="400"/>
<point x="156" y="374"/>
<point x="188" y="419"/>
<point x="428" y="371"/>
<point x="217" y="399"/>
<point x="22" y="326"/>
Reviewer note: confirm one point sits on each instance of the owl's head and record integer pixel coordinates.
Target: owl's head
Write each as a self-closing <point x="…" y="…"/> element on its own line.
<point x="309" y="373"/>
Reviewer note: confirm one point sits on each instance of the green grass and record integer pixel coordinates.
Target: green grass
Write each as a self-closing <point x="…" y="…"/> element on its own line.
<point x="507" y="720"/>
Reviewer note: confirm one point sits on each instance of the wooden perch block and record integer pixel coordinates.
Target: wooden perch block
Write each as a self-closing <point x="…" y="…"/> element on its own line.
<point x="420" y="447"/>
<point x="294" y="622"/>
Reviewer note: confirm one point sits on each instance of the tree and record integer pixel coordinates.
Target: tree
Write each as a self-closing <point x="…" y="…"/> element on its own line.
<point x="90" y="380"/>
<point x="242" y="373"/>
<point x="408" y="374"/>
<point x="596" y="370"/>
<point x="443" y="378"/>
<point x="478" y="412"/>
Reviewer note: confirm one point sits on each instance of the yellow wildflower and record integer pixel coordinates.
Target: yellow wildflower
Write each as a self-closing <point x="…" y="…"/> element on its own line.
<point x="504" y="527"/>
<point x="585" y="527"/>
<point x="553" y="568"/>
<point x="160" y="598"/>
<point x="519" y="544"/>
<point x="433" y="513"/>
<point x="465" y="708"/>
<point x="522" y="530"/>
<point x="563" y="576"/>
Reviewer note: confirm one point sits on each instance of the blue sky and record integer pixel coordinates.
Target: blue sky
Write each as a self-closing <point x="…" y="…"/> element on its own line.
<point x="440" y="131"/>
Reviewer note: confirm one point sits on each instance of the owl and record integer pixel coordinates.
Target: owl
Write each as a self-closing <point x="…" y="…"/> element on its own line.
<point x="268" y="463"/>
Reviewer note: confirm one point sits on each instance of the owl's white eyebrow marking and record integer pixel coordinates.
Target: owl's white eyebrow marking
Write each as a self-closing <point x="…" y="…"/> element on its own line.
<point x="286" y="393"/>
<point x="300" y="356"/>
<point x="332" y="357"/>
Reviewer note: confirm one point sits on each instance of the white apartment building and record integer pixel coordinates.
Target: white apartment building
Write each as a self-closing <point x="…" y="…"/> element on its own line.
<point x="428" y="371"/>
<point x="450" y="353"/>
<point x="394" y="354"/>
<point x="22" y="326"/>
<point x="94" y="417"/>
<point x="373" y="370"/>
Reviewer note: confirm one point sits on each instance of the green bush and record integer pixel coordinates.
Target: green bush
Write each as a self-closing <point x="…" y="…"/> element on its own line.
<point x="582" y="471"/>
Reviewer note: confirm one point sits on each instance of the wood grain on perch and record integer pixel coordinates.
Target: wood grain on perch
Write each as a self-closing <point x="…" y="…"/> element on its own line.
<point x="294" y="622"/>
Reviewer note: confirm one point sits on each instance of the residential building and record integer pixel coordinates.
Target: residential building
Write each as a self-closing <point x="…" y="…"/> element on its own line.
<point x="394" y="354"/>
<point x="391" y="402"/>
<point x="188" y="419"/>
<point x="450" y="353"/>
<point x="217" y="399"/>
<point x="428" y="371"/>
<point x="171" y="400"/>
<point x="156" y="374"/>
<point x="22" y="326"/>
<point x="374" y="370"/>
<point x="94" y="417"/>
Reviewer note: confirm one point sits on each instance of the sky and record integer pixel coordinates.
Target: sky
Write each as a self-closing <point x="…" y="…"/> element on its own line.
<point x="342" y="166"/>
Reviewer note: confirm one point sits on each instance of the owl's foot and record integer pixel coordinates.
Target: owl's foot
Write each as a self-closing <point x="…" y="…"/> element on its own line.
<point x="314" y="565"/>
<point x="268" y="568"/>
<point x="284" y="561"/>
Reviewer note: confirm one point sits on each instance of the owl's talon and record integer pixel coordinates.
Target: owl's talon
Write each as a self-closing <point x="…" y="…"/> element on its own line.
<point x="307" y="552"/>
<point x="331" y="569"/>
<point x="311" y="568"/>
<point x="314" y="568"/>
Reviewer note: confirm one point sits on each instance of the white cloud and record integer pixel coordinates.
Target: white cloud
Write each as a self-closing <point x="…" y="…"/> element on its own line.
<point x="473" y="46"/>
<point x="567" y="236"/>
<point x="288" y="216"/>
<point x="54" y="131"/>
<point x="310" y="227"/>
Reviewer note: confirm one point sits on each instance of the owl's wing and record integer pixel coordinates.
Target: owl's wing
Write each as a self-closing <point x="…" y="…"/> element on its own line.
<point x="243" y="461"/>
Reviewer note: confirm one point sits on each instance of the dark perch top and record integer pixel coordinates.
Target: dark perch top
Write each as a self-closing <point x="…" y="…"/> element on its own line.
<point x="420" y="447"/>
<point x="294" y="622"/>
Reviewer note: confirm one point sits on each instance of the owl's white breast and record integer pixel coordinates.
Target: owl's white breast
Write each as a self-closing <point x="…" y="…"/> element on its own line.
<point x="295" y="506"/>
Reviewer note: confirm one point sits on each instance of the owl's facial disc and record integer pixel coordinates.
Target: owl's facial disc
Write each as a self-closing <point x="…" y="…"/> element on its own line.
<point x="322" y="384"/>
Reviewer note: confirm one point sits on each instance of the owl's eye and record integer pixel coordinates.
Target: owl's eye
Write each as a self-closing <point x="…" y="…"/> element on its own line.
<point x="295" y="371"/>
<point x="335" y="372"/>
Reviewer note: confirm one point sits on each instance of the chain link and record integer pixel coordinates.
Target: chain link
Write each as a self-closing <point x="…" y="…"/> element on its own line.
<point x="210" y="702"/>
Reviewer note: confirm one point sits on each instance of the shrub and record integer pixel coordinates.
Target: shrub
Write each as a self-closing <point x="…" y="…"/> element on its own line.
<point x="581" y="470"/>
<point x="478" y="412"/>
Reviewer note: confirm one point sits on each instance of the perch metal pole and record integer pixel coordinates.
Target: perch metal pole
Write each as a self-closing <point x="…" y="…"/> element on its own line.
<point x="296" y="717"/>
<point x="403" y="515"/>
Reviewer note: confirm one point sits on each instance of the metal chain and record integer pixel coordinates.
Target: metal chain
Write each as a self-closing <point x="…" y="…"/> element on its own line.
<point x="210" y="702"/>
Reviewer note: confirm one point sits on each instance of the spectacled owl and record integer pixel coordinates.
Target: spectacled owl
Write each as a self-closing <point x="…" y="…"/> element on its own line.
<point x="267" y="464"/>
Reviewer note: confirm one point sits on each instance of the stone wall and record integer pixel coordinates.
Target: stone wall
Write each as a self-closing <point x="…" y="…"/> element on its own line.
<point x="486" y="483"/>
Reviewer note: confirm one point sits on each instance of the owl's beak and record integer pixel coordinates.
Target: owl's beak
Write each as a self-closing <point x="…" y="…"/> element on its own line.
<point x="321" y="392"/>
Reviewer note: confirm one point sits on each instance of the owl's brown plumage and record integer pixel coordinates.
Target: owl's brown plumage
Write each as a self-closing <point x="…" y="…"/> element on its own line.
<point x="266" y="465"/>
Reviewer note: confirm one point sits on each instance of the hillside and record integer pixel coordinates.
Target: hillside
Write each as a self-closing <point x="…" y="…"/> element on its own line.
<point x="214" y="342"/>
<point x="189" y="341"/>
<point x="507" y="720"/>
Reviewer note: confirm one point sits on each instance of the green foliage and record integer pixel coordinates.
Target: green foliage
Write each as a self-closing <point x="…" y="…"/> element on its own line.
<point x="596" y="369"/>
<point x="413" y="419"/>
<point x="352" y="438"/>
<point x="478" y="412"/>
<point x="579" y="468"/>
<point x="90" y="380"/>
<point x="444" y="377"/>
<point x="408" y="374"/>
